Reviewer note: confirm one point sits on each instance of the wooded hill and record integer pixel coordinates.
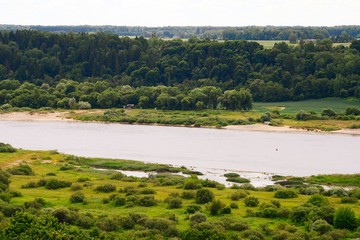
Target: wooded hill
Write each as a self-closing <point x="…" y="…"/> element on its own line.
<point x="43" y="59"/>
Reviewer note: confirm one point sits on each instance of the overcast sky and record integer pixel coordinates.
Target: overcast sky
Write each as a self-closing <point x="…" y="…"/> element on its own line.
<point x="181" y="12"/>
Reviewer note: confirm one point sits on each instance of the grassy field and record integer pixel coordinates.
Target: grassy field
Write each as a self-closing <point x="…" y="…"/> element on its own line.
<point x="317" y="105"/>
<point x="48" y="165"/>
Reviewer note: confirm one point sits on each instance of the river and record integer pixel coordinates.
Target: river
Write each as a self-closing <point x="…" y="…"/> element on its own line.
<point x="210" y="150"/>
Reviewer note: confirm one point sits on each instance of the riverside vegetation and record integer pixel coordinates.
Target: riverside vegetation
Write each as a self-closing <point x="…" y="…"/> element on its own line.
<point x="45" y="194"/>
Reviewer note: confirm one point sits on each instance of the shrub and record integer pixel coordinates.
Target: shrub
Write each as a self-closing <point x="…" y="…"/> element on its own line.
<point x="321" y="226"/>
<point x="197" y="218"/>
<point x="77" y="197"/>
<point x="248" y="186"/>
<point x="119" y="201"/>
<point x="216" y="206"/>
<point x="188" y="195"/>
<point x="6" y="148"/>
<point x="147" y="191"/>
<point x="147" y="201"/>
<point x="192" y="183"/>
<point x="56" y="184"/>
<point x="106" y="188"/>
<point x="344" y="218"/>
<point x="285" y="193"/>
<point x="231" y="175"/>
<point x="349" y="200"/>
<point x="37" y="203"/>
<point x="328" y="113"/>
<point x="83" y="105"/>
<point x="22" y="169"/>
<point x="234" y="205"/>
<point x="76" y="187"/>
<point x="83" y="179"/>
<point x="193" y="208"/>
<point x="340" y="192"/>
<point x="6" y="107"/>
<point x="251" y="201"/>
<point x="226" y="210"/>
<point x="117" y="176"/>
<point x="174" y="202"/>
<point x="238" y="180"/>
<point x="311" y="190"/>
<point x="30" y="185"/>
<point x="318" y="200"/>
<point x="352" y="111"/>
<point x="235" y="196"/>
<point x="204" y="196"/>
<point x="300" y="214"/>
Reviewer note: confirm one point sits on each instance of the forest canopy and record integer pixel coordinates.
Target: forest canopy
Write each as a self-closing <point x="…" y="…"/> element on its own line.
<point x="105" y="70"/>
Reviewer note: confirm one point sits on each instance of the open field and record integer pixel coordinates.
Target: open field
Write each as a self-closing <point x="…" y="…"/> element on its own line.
<point x="126" y="200"/>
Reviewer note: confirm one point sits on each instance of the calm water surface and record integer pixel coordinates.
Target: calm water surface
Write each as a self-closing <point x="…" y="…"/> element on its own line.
<point x="209" y="150"/>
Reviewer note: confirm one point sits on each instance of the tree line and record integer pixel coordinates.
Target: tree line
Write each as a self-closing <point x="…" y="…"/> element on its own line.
<point x="43" y="60"/>
<point x="337" y="33"/>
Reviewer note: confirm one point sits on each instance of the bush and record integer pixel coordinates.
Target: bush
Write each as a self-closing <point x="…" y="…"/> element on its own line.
<point x="117" y="176"/>
<point x="204" y="196"/>
<point x="192" y="183"/>
<point x="216" y="206"/>
<point x="147" y="191"/>
<point x="119" y="201"/>
<point x="251" y="201"/>
<point x="6" y="107"/>
<point x="6" y="148"/>
<point x="235" y="196"/>
<point x="344" y="218"/>
<point x="352" y="111"/>
<point x="234" y="205"/>
<point x="311" y="190"/>
<point x="231" y="175"/>
<point x="147" y="201"/>
<point x="328" y="113"/>
<point x="349" y="200"/>
<point x="76" y="187"/>
<point x="56" y="184"/>
<point x="300" y="214"/>
<point x="285" y="193"/>
<point x="22" y="169"/>
<point x="83" y="179"/>
<point x="318" y="200"/>
<point x="174" y="202"/>
<point x="106" y="188"/>
<point x="197" y="218"/>
<point x="321" y="226"/>
<point x="30" y="185"/>
<point x="77" y="197"/>
<point x="238" y="180"/>
<point x="188" y="195"/>
<point x="193" y="208"/>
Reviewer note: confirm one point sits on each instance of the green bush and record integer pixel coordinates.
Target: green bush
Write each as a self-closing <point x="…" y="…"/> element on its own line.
<point x="119" y="201"/>
<point x="192" y="183"/>
<point x="231" y="175"/>
<point x="234" y="205"/>
<point x="349" y="200"/>
<point x="77" y="197"/>
<point x="106" y="188"/>
<point x="56" y="184"/>
<point x="321" y="226"/>
<point x="174" y="202"/>
<point x="238" y="180"/>
<point x="193" y="208"/>
<point x="251" y="201"/>
<point x="235" y="196"/>
<point x="22" y="169"/>
<point x="204" y="196"/>
<point x="318" y="200"/>
<point x="188" y="195"/>
<point x="215" y="207"/>
<point x="6" y="148"/>
<point x="76" y="187"/>
<point x="285" y="193"/>
<point x="147" y="201"/>
<point x="197" y="218"/>
<point x="344" y="218"/>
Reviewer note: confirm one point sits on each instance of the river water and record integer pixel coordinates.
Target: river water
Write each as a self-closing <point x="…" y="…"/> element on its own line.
<point x="210" y="150"/>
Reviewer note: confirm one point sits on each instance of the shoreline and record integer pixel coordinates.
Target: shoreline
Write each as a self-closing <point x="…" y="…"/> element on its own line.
<point x="61" y="116"/>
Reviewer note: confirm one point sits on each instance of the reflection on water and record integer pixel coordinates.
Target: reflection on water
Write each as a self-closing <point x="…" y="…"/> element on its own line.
<point x="207" y="150"/>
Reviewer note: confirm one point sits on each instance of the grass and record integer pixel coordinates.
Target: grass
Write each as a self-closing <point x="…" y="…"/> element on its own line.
<point x="44" y="162"/>
<point x="335" y="179"/>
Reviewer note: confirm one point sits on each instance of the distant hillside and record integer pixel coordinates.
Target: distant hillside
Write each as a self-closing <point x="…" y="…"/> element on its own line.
<point x="337" y="34"/>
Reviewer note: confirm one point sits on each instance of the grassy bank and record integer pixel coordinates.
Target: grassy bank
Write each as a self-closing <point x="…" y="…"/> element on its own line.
<point x="67" y="188"/>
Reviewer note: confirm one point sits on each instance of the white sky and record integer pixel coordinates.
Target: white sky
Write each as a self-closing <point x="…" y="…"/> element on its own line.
<point x="181" y="12"/>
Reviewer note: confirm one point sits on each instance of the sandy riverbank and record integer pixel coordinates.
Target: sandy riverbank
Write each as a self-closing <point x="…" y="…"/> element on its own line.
<point x="35" y="116"/>
<point x="267" y="128"/>
<point x="64" y="116"/>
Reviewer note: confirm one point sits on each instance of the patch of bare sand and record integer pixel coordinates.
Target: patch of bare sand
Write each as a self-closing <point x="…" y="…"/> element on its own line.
<point x="35" y="116"/>
<point x="268" y="128"/>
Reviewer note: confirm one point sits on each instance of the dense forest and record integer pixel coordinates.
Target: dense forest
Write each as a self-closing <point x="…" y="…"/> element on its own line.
<point x="55" y="70"/>
<point x="337" y="33"/>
